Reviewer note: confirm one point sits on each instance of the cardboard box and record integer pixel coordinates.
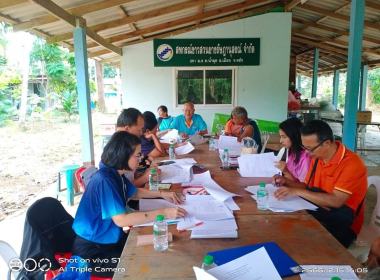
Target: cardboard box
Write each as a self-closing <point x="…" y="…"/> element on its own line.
<point x="364" y="116"/>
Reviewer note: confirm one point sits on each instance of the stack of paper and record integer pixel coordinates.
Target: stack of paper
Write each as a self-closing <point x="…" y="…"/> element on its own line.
<point x="176" y="173"/>
<point x="255" y="265"/>
<point x="185" y="149"/>
<point x="230" y="143"/>
<point x="198" y="179"/>
<point x="171" y="135"/>
<point x="182" y="161"/>
<point x="290" y="204"/>
<point x="257" y="165"/>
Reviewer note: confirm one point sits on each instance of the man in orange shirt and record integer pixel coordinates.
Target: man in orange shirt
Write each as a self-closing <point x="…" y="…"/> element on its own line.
<point x="336" y="182"/>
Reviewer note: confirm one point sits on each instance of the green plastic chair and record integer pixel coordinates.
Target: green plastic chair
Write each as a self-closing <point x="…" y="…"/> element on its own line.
<point x="264" y="126"/>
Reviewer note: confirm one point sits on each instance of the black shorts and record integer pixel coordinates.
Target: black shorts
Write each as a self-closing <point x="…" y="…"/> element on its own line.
<point x="104" y="258"/>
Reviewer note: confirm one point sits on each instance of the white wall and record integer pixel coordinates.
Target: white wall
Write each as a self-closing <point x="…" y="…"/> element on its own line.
<point x="262" y="89"/>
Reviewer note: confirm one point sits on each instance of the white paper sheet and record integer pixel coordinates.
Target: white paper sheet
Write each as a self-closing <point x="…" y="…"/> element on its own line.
<point x="211" y="210"/>
<point x="198" y="179"/>
<point x="290" y="204"/>
<point x="195" y="234"/>
<point x="227" y="224"/>
<point x="182" y="161"/>
<point x="230" y="143"/>
<point x="175" y="173"/>
<point x="280" y="153"/>
<point x="185" y="149"/>
<point x="217" y="191"/>
<point x="200" y="274"/>
<point x="230" y="203"/>
<point x="155" y="204"/>
<point x="257" y="165"/>
<point x="172" y="134"/>
<point x="326" y="272"/>
<point x="253" y="266"/>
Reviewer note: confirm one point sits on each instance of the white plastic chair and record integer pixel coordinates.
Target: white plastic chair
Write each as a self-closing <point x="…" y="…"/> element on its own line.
<point x="360" y="248"/>
<point x="264" y="141"/>
<point x="7" y="254"/>
<point x="361" y="137"/>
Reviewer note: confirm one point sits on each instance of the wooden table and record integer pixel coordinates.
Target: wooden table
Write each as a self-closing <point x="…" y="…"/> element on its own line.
<point x="341" y="121"/>
<point x="298" y="234"/>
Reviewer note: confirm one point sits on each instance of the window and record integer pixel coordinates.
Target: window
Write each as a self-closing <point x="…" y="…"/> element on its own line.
<point x="208" y="86"/>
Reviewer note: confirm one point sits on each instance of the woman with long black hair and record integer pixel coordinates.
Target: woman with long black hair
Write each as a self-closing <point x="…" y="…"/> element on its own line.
<point x="297" y="164"/>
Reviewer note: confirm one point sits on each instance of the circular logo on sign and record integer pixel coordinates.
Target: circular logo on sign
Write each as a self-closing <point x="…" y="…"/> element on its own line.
<point x="15" y="264"/>
<point x="164" y="52"/>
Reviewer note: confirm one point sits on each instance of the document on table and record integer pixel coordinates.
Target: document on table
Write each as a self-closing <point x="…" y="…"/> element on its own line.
<point x="213" y="233"/>
<point x="257" y="165"/>
<point x="172" y="134"/>
<point x="211" y="210"/>
<point x="254" y="266"/>
<point x="200" y="274"/>
<point x="230" y="143"/>
<point x="155" y="204"/>
<point x="185" y="149"/>
<point x="175" y="173"/>
<point x="217" y="191"/>
<point x="182" y="161"/>
<point x="326" y="272"/>
<point x="198" y="179"/>
<point x="290" y="204"/>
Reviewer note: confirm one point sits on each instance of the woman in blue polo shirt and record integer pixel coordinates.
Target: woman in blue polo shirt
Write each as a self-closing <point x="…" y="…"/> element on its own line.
<point x="102" y="213"/>
<point x="164" y="120"/>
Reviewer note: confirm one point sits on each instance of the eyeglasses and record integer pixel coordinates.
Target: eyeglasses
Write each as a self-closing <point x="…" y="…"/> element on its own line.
<point x="310" y="150"/>
<point x="139" y="156"/>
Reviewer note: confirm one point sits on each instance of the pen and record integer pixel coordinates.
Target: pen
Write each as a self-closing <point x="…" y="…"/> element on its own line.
<point x="275" y="180"/>
<point x="172" y="223"/>
<point x="189" y="227"/>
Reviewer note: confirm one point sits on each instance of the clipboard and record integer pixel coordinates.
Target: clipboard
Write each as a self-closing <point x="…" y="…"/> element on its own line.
<point x="284" y="264"/>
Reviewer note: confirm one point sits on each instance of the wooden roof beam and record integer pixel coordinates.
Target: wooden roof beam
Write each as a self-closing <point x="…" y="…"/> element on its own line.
<point x="319" y="45"/>
<point x="57" y="11"/>
<point x="4" y="4"/>
<point x="210" y="23"/>
<point x="333" y="40"/>
<point x="124" y="14"/>
<point x="292" y="4"/>
<point x="315" y="9"/>
<point x="76" y="11"/>
<point x="200" y="10"/>
<point x="336" y="11"/>
<point x="135" y="18"/>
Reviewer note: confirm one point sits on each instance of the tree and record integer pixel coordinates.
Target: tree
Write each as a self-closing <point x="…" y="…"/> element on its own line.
<point x="374" y="84"/>
<point x="109" y="71"/>
<point x="100" y="85"/>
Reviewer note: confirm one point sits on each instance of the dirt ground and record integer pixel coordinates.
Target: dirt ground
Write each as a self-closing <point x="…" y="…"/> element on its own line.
<point x="30" y="157"/>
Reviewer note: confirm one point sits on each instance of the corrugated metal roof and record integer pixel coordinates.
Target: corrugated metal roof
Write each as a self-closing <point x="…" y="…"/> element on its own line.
<point x="28" y="11"/>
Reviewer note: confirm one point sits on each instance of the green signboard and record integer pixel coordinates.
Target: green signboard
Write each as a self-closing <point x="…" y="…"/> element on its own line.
<point x="206" y="52"/>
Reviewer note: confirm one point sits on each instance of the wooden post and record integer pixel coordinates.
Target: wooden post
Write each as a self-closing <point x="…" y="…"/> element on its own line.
<point x="293" y="70"/>
<point x="99" y="70"/>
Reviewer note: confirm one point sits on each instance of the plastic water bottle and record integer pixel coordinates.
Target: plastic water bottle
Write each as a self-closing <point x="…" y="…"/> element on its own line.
<point x="208" y="263"/>
<point x="212" y="144"/>
<point x="226" y="159"/>
<point x="160" y="233"/>
<point x="262" y="197"/>
<point x="153" y="180"/>
<point x="171" y="151"/>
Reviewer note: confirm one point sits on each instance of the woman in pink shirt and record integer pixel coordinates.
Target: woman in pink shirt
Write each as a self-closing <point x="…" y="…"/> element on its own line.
<point x="298" y="162"/>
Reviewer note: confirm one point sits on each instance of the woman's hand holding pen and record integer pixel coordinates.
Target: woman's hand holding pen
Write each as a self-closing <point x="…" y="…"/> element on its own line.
<point x="278" y="181"/>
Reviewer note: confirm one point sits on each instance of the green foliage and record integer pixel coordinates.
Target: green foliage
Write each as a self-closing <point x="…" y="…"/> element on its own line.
<point x="6" y="110"/>
<point x="374" y="83"/>
<point x="69" y="102"/>
<point x="109" y="71"/>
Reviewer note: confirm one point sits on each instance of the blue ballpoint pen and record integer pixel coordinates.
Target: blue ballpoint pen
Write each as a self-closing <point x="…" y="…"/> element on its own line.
<point x="275" y="180"/>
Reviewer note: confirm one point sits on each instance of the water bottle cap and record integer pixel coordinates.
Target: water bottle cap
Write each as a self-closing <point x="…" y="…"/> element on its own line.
<point x="335" y="278"/>
<point x="160" y="218"/>
<point x="171" y="145"/>
<point x="208" y="259"/>
<point x="262" y="184"/>
<point x="212" y="137"/>
<point x="153" y="171"/>
<point x="226" y="150"/>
